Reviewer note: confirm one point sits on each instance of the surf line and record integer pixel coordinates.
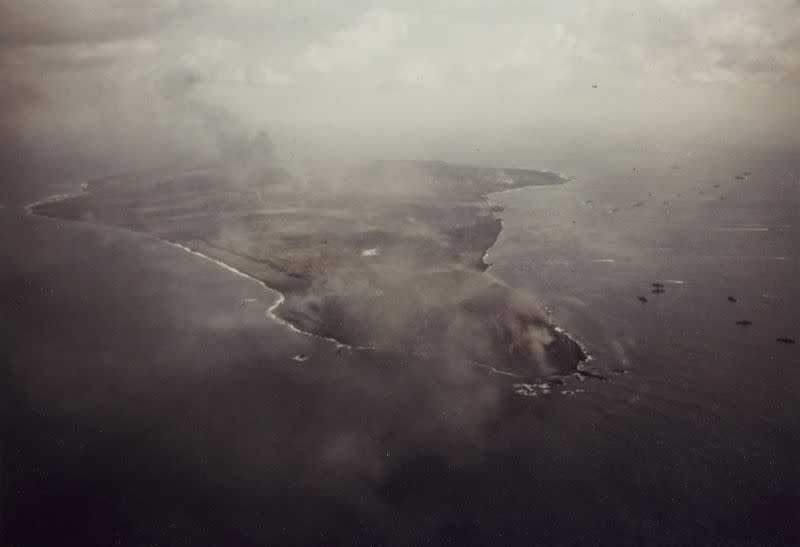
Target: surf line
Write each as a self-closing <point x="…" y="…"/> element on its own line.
<point x="29" y="209"/>
<point x="54" y="198"/>
<point x="488" y="199"/>
<point x="271" y="311"/>
<point x="588" y="357"/>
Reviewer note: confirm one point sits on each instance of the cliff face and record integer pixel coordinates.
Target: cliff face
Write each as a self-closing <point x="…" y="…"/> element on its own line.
<point x="386" y="255"/>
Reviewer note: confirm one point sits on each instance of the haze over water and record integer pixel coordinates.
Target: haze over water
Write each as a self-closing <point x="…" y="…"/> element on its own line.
<point x="705" y="409"/>
<point x="146" y="398"/>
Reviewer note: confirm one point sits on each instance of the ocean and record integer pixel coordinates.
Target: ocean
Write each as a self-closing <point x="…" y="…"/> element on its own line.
<point x="147" y="398"/>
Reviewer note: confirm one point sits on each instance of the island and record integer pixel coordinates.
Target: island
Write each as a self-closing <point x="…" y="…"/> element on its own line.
<point x="385" y="254"/>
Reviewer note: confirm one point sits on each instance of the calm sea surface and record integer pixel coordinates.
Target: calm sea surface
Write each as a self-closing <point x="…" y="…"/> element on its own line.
<point x="148" y="400"/>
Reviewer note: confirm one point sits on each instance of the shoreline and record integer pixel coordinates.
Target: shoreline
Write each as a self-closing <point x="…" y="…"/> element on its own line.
<point x="273" y="313"/>
<point x="588" y="356"/>
<point x="488" y="198"/>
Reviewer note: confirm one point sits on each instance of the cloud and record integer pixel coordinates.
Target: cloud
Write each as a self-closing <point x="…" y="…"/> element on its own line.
<point x="59" y="22"/>
<point x="709" y="41"/>
<point x="275" y="43"/>
<point x="95" y="66"/>
<point x="352" y="49"/>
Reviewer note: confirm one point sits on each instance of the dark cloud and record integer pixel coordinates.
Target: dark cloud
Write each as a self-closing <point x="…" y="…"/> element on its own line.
<point x="61" y="22"/>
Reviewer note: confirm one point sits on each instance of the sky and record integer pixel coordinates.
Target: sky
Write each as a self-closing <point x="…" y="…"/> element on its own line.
<point x="143" y="78"/>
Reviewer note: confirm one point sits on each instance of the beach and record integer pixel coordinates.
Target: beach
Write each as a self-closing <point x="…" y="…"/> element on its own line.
<point x="398" y="270"/>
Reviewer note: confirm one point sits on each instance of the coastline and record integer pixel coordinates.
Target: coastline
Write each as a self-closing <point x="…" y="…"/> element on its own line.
<point x="273" y="312"/>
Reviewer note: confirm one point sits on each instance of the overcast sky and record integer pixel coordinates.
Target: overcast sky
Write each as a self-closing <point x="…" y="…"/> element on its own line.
<point x="84" y="65"/>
